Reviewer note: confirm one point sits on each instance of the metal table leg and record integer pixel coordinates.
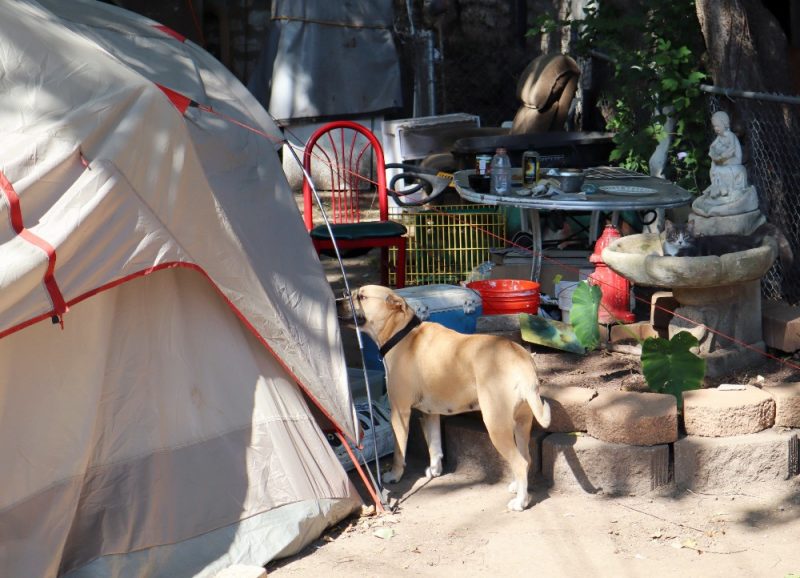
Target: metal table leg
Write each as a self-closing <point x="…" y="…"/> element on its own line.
<point x="529" y="220"/>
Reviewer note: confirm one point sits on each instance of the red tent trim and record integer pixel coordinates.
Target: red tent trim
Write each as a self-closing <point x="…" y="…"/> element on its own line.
<point x="167" y="30"/>
<point x="18" y="224"/>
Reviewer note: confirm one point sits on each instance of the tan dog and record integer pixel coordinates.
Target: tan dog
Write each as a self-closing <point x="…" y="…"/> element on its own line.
<point x="442" y="372"/>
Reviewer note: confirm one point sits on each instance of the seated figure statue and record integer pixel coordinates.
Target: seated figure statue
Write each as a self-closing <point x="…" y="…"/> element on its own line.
<point x="729" y="193"/>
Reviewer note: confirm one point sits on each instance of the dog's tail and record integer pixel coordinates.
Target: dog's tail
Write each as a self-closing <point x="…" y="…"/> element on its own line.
<point x="539" y="407"/>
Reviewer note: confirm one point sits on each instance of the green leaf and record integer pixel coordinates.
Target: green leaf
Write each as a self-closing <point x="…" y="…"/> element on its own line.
<point x="669" y="84"/>
<point x="670" y="366"/>
<point x="583" y="314"/>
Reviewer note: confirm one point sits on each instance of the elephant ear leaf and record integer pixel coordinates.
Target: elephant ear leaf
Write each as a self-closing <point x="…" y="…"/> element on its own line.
<point x="670" y="366"/>
<point x="583" y="315"/>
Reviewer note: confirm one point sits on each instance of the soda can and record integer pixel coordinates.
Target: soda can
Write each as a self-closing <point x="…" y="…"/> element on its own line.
<point x="483" y="164"/>
<point x="530" y="168"/>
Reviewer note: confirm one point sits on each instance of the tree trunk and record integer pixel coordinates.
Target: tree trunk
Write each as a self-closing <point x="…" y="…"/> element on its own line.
<point x="747" y="49"/>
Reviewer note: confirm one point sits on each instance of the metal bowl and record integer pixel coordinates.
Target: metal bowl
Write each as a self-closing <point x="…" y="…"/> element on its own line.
<point x="570" y="180"/>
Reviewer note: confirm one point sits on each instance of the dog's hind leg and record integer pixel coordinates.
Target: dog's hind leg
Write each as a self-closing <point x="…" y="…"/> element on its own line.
<point x="501" y="432"/>
<point x="523" y="423"/>
<point x="432" y="428"/>
<point x="401" y="419"/>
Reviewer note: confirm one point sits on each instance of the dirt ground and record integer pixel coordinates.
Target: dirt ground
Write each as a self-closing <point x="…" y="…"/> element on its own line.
<point x="457" y="524"/>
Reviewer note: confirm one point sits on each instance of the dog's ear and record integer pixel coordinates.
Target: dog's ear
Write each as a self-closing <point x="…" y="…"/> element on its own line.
<point x="395" y="302"/>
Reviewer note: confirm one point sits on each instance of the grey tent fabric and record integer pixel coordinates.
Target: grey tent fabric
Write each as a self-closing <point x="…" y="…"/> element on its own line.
<point x="327" y="59"/>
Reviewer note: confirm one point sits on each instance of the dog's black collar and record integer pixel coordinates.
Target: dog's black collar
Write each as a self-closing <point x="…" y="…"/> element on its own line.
<point x="397" y="337"/>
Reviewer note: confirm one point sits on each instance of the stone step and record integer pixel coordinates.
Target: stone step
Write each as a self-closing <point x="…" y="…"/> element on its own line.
<point x="730" y="464"/>
<point x="575" y="463"/>
<point x="569" y="407"/>
<point x="719" y="413"/>
<point x="787" y="403"/>
<point x="633" y="418"/>
<point x="468" y="449"/>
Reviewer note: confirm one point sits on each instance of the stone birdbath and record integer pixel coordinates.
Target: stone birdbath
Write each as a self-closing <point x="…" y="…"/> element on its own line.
<point x="721" y="293"/>
<point x="719" y="296"/>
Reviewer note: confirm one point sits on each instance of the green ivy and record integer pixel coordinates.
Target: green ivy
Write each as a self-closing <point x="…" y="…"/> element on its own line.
<point x="656" y="51"/>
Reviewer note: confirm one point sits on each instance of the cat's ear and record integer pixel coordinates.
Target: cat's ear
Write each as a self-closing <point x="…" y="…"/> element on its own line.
<point x="690" y="227"/>
<point x="668" y="226"/>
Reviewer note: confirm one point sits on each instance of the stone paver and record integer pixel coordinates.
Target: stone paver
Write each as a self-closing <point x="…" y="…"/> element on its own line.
<point x="717" y="413"/>
<point x="568" y="407"/>
<point x="732" y="463"/>
<point x="787" y="403"/>
<point x="581" y="463"/>
<point x="634" y="418"/>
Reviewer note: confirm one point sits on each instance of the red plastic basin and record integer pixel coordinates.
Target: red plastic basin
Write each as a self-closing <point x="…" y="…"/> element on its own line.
<point x="502" y="296"/>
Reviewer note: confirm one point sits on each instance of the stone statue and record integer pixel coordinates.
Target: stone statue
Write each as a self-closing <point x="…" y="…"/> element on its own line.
<point x="728" y="174"/>
<point x="729" y="194"/>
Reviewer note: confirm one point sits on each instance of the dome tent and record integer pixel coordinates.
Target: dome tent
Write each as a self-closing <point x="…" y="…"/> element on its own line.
<point x="170" y="422"/>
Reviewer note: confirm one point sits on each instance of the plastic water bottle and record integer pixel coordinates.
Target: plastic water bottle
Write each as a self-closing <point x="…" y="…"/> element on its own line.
<point x="501" y="173"/>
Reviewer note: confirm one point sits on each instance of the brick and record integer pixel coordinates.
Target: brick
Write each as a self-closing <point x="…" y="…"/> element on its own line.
<point x="787" y="403"/>
<point x="662" y="307"/>
<point x="717" y="413"/>
<point x="468" y="449"/>
<point x="568" y="407"/>
<point x="781" y="325"/>
<point x="732" y="463"/>
<point x="639" y="331"/>
<point x="633" y="418"/>
<point x="242" y="571"/>
<point x="581" y="463"/>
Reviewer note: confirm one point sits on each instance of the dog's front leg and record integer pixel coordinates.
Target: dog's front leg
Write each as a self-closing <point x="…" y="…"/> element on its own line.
<point x="431" y="427"/>
<point x="401" y="418"/>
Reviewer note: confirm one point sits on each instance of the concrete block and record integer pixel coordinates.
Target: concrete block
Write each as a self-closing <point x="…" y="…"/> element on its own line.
<point x="662" y="309"/>
<point x="626" y="417"/>
<point x="717" y="413"/>
<point x="581" y="463"/>
<point x="781" y="325"/>
<point x="468" y="449"/>
<point x="787" y="403"/>
<point x="568" y="407"/>
<point x="242" y="571"/>
<point x="732" y="463"/>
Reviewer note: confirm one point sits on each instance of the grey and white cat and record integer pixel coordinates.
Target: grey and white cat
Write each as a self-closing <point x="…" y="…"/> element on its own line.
<point x="680" y="240"/>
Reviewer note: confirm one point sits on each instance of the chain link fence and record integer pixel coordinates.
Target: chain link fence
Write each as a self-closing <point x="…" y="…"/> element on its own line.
<point x="768" y="126"/>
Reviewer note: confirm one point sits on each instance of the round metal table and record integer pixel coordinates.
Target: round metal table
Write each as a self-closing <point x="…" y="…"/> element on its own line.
<point x="616" y="190"/>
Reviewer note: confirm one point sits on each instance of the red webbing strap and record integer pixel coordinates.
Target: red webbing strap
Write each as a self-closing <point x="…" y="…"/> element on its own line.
<point x="180" y="101"/>
<point x="167" y="30"/>
<point x="50" y="283"/>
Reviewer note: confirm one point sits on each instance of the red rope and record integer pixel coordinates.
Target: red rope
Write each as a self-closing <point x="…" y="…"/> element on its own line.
<point x="542" y="256"/>
<point x="197" y="25"/>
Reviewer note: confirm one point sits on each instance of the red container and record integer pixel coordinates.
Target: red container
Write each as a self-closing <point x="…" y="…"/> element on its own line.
<point x="502" y="296"/>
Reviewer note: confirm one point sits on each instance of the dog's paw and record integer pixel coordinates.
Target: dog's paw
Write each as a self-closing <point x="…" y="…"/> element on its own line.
<point x="518" y="504"/>
<point x="391" y="477"/>
<point x="433" y="471"/>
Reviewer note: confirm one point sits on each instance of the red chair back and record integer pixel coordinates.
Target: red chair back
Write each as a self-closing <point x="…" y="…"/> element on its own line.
<point x="347" y="159"/>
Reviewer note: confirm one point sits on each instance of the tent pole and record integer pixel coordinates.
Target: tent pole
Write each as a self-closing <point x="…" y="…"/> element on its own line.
<point x="377" y="481"/>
